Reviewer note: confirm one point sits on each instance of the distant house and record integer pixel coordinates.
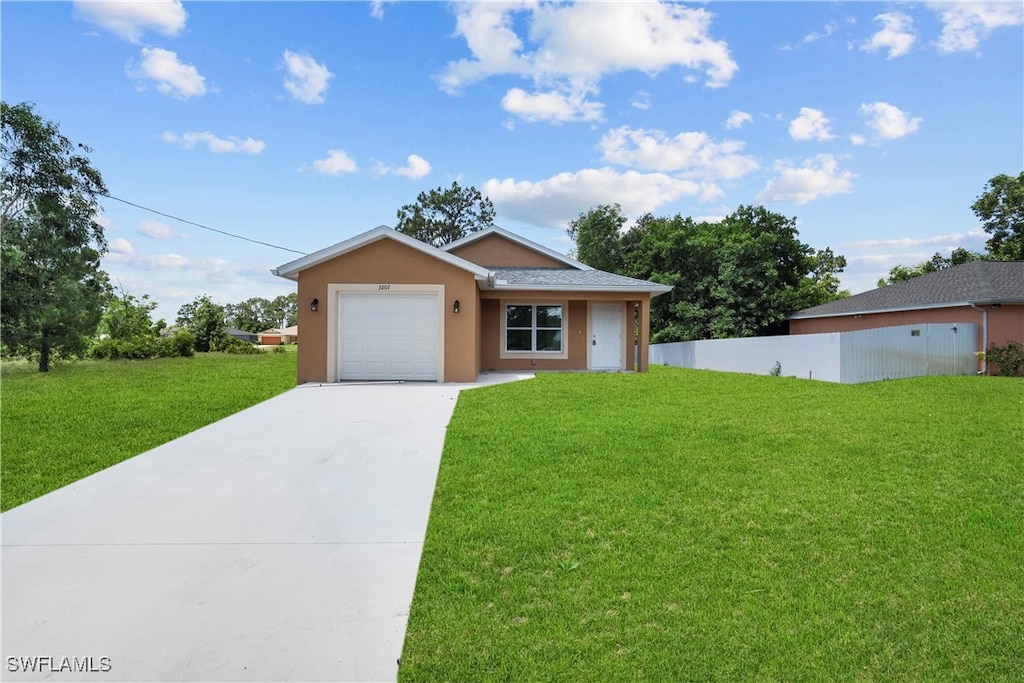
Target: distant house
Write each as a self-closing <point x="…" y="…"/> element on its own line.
<point x="243" y="335"/>
<point x="275" y="336"/>
<point x="988" y="293"/>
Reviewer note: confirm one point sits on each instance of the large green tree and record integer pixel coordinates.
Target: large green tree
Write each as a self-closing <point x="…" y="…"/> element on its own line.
<point x="444" y="215"/>
<point x="598" y="238"/>
<point x="53" y="288"/>
<point x="739" y="277"/>
<point x="1001" y="210"/>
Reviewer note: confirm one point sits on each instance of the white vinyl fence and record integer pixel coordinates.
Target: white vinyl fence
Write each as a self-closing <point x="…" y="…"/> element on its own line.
<point x="843" y="357"/>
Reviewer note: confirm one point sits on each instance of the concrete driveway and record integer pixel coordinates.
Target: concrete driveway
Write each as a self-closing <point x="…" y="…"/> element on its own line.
<point x="281" y="543"/>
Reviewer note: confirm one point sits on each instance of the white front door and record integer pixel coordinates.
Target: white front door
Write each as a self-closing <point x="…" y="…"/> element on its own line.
<point x="606" y="344"/>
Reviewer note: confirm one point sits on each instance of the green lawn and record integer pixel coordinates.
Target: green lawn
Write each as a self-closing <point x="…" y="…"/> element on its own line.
<point x="695" y="526"/>
<point x="82" y="417"/>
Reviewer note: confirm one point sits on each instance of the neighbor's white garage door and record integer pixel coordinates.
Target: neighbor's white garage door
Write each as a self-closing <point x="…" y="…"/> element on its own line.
<point x="388" y="336"/>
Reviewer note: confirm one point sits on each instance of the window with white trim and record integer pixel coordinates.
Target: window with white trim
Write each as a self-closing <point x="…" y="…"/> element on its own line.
<point x="534" y="328"/>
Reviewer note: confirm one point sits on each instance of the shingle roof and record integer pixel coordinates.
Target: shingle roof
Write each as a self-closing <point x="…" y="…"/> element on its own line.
<point x="570" y="278"/>
<point x="977" y="282"/>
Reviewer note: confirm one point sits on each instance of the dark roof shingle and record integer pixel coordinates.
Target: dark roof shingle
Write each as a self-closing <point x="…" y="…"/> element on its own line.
<point x="976" y="282"/>
<point x="545" y="278"/>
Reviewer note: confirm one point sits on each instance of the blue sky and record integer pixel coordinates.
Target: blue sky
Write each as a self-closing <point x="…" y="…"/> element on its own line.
<point x="875" y="124"/>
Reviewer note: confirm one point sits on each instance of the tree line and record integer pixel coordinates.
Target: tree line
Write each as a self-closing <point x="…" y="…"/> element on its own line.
<point x="740" y="276"/>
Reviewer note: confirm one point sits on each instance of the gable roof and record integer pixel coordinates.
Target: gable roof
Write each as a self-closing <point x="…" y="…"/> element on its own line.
<point x="575" y="276"/>
<point x="568" y="279"/>
<point x="976" y="282"/>
<point x="292" y="269"/>
<point x="521" y="241"/>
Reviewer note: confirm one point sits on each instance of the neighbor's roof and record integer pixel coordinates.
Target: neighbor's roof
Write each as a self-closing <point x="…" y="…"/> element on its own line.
<point x="976" y="282"/>
<point x="571" y="279"/>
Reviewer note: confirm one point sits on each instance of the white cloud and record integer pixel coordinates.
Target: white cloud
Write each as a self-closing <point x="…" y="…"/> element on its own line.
<point x="416" y="167"/>
<point x="215" y="144"/>
<point x="737" y="119"/>
<point x="120" y="246"/>
<point x="858" y="139"/>
<point x="966" y="24"/>
<point x="641" y="101"/>
<point x="554" y="107"/>
<point x="156" y="230"/>
<point x="690" y="154"/>
<point x="896" y="35"/>
<point x="172" y="77"/>
<point x="815" y="178"/>
<point x="130" y="20"/>
<point x="811" y="124"/>
<point x="377" y="9"/>
<point x="307" y="79"/>
<point x="336" y="161"/>
<point x="210" y="270"/>
<point x="910" y="242"/>
<point x="888" y="121"/>
<point x="555" y="201"/>
<point x="830" y="28"/>
<point x="572" y="47"/>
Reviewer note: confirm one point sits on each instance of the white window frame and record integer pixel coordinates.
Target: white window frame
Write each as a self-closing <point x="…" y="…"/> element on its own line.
<point x="503" y="341"/>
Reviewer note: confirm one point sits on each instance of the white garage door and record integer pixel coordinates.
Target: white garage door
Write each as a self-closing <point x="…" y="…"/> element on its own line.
<point x="388" y="336"/>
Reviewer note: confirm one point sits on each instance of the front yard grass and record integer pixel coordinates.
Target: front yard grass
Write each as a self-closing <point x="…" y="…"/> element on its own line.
<point x="687" y="525"/>
<point x="82" y="417"/>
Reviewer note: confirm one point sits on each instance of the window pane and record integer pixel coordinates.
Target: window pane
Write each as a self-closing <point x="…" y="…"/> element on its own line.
<point x="549" y="316"/>
<point x="518" y="340"/>
<point x="549" y="340"/>
<point x="518" y="316"/>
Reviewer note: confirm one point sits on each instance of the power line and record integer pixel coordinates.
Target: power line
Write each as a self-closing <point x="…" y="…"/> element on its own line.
<point x="200" y="225"/>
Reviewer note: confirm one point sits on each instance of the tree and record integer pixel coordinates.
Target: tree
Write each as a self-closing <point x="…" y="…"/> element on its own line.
<point x="738" y="278"/>
<point x="257" y="314"/>
<point x="937" y="262"/>
<point x="127" y="317"/>
<point x="205" y="320"/>
<point x="598" y="238"/>
<point x="53" y="288"/>
<point x="442" y="216"/>
<point x="1001" y="210"/>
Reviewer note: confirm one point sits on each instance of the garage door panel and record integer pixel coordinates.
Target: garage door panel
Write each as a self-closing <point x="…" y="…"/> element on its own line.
<point x="388" y="336"/>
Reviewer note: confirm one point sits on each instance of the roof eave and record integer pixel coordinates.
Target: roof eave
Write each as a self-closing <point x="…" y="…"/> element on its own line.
<point x="653" y="291"/>
<point x="904" y="309"/>
<point x="292" y="269"/>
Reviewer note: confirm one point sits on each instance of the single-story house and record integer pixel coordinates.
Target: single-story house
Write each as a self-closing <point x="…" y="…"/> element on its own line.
<point x="275" y="336"/>
<point x="385" y="306"/>
<point x="242" y="335"/>
<point x="987" y="293"/>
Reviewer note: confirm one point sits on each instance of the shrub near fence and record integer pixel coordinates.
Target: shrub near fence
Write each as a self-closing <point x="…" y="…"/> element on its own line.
<point x="843" y="357"/>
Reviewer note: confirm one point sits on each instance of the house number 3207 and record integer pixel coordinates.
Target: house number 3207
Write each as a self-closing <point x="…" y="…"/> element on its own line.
<point x="383" y="288"/>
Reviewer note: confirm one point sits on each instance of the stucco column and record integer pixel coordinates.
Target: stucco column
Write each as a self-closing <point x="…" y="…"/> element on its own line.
<point x="644" y="309"/>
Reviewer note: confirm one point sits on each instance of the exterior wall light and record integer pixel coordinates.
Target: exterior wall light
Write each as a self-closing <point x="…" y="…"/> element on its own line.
<point x="314" y="305"/>
<point x="455" y="307"/>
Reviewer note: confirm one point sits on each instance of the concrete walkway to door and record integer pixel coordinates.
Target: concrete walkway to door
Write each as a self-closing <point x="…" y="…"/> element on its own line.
<point x="279" y="544"/>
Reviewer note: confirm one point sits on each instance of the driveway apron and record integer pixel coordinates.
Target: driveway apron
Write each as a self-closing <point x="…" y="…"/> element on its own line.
<point x="281" y="543"/>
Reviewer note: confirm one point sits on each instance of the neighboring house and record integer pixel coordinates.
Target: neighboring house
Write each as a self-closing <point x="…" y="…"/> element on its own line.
<point x="274" y="336"/>
<point x="385" y="306"/>
<point x="988" y="293"/>
<point x="243" y="335"/>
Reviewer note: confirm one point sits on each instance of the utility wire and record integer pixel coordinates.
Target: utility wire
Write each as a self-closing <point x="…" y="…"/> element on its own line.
<point x="200" y="225"/>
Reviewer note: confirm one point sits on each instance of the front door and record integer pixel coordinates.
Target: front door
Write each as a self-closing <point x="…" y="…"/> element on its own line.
<point x="606" y="344"/>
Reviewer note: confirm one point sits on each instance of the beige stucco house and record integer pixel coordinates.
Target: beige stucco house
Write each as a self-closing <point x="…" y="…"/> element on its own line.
<point x="385" y="306"/>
